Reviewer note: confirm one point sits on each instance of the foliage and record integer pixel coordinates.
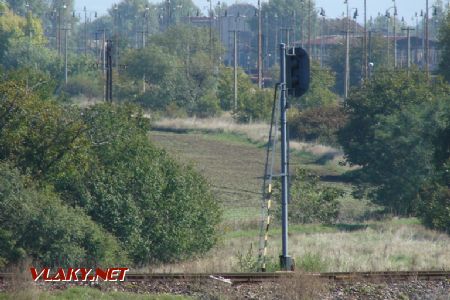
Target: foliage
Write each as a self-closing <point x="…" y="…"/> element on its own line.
<point x="36" y="224"/>
<point x="311" y="202"/>
<point x="157" y="209"/>
<point x="37" y="135"/>
<point x="444" y="40"/>
<point x="178" y="70"/>
<point x="247" y="262"/>
<point x="319" y="124"/>
<point x="395" y="125"/>
<point x="84" y="85"/>
<point x="252" y="104"/>
<point x="377" y="56"/>
<point x="320" y="91"/>
<point x="435" y="210"/>
<point x="15" y="28"/>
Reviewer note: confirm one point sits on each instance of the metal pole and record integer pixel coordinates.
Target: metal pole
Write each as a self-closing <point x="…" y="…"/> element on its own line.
<point x="235" y="70"/>
<point x="65" y="55"/>
<point x="210" y="30"/>
<point x="85" y="32"/>
<point x="408" y="33"/>
<point x="388" y="44"/>
<point x="309" y="27"/>
<point x="395" y="36"/>
<point x="366" y="59"/>
<point x="347" y="56"/>
<point x="259" y="45"/>
<point x="285" y="260"/>
<point x="427" y="62"/>
<point x="58" y="36"/>
<point x="409" y="48"/>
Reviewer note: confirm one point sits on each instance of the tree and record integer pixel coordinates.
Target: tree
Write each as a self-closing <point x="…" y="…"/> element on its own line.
<point x="178" y="70"/>
<point x="320" y="91"/>
<point x="14" y="28"/>
<point x="377" y="56"/>
<point x="389" y="134"/>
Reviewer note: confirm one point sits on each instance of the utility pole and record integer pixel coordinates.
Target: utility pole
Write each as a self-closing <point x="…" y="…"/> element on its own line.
<point x="85" y="31"/>
<point x="366" y="59"/>
<point x="144" y="35"/>
<point x="427" y="44"/>
<point x="235" y="68"/>
<point x="260" y="75"/>
<point x="65" y="55"/>
<point x="408" y="33"/>
<point x="285" y="260"/>
<point x="309" y="27"/>
<point x="347" y="55"/>
<point x="388" y="42"/>
<point x="210" y="29"/>
<point x="108" y="95"/>
<point x="395" y="36"/>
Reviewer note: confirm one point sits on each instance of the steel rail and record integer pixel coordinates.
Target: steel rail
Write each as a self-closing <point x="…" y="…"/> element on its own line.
<point x="260" y="277"/>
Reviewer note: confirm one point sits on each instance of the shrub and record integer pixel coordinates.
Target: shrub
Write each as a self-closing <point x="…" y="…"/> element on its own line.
<point x="35" y="223"/>
<point x="254" y="105"/>
<point x="100" y="161"/>
<point x="435" y="211"/>
<point x="83" y="85"/>
<point x="319" y="124"/>
<point x="310" y="201"/>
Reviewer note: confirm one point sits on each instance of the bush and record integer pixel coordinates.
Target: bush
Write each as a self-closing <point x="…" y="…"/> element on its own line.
<point x="100" y="159"/>
<point x="254" y="105"/>
<point x="83" y="85"/>
<point x="435" y="211"/>
<point x="35" y="223"/>
<point x="207" y="106"/>
<point x="310" y="201"/>
<point x="319" y="124"/>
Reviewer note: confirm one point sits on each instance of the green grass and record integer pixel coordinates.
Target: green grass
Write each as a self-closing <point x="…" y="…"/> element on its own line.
<point x="76" y="293"/>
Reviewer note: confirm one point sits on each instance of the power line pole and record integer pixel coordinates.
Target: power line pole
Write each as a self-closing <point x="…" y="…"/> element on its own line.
<point x="347" y="55"/>
<point x="85" y="31"/>
<point x="260" y="75"/>
<point x="366" y="59"/>
<point x="235" y="68"/>
<point x="408" y="33"/>
<point x="108" y="95"/>
<point x="427" y="45"/>
<point x="210" y="29"/>
<point x="144" y="35"/>
<point x="309" y="27"/>
<point x="395" y="35"/>
<point x="65" y="55"/>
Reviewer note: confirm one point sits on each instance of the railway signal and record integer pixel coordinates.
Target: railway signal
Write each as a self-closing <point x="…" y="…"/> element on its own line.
<point x="294" y="77"/>
<point x="297" y="72"/>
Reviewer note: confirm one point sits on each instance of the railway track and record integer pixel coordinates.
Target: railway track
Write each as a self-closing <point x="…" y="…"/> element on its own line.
<point x="236" y="278"/>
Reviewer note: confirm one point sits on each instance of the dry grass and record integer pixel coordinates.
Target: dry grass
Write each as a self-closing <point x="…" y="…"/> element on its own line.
<point x="256" y="132"/>
<point x="380" y="247"/>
